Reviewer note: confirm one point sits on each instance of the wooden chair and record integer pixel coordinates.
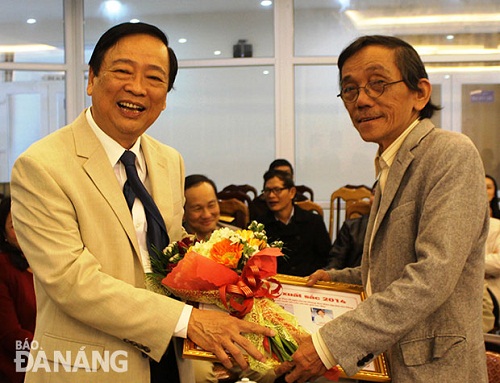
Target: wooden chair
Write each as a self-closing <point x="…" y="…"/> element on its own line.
<point x="247" y="189"/>
<point x="234" y="212"/>
<point x="492" y="342"/>
<point x="348" y="195"/>
<point x="236" y="194"/>
<point x="310" y="206"/>
<point x="357" y="209"/>
<point x="493" y="366"/>
<point x="305" y="190"/>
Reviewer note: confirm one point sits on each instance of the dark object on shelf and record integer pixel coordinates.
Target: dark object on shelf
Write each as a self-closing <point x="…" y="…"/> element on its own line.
<point x="242" y="49"/>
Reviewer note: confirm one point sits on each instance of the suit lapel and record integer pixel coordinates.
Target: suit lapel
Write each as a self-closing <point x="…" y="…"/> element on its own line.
<point x="399" y="167"/>
<point x="94" y="159"/>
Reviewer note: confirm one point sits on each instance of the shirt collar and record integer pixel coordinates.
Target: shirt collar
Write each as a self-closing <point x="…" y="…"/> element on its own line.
<point x="289" y="218"/>
<point x="387" y="157"/>
<point x="112" y="148"/>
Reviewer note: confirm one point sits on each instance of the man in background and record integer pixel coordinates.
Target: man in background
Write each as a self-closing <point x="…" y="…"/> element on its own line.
<point x="258" y="207"/>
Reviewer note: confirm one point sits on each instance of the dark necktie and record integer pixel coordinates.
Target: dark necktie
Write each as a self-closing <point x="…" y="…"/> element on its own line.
<point x="166" y="370"/>
<point x="156" y="233"/>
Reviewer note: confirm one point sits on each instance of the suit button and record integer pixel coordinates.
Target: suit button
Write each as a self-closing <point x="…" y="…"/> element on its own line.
<point x="147" y="349"/>
<point x="365" y="360"/>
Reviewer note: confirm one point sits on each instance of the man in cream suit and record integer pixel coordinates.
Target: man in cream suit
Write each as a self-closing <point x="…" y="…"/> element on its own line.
<point x="423" y="259"/>
<point x="96" y="322"/>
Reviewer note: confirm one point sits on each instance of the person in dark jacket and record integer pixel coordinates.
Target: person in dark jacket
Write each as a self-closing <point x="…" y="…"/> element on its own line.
<point x="347" y="249"/>
<point x="306" y="240"/>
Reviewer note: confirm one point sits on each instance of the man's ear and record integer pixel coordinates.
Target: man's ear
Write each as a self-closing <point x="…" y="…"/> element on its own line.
<point x="90" y="83"/>
<point x="423" y="95"/>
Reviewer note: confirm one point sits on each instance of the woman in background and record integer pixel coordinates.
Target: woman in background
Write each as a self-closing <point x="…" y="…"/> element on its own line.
<point x="492" y="248"/>
<point x="17" y="299"/>
<point x="492" y="191"/>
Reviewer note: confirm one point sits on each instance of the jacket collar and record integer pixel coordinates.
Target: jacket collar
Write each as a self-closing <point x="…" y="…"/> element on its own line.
<point x="400" y="165"/>
<point x="95" y="163"/>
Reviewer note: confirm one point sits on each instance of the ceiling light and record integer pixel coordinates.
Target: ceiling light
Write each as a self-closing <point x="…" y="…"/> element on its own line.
<point x="266" y="3"/>
<point x="113" y="9"/>
<point x="458" y="69"/>
<point x="25" y="48"/>
<point x="135" y="21"/>
<point x="455" y="50"/>
<point x="362" y="22"/>
<point x="217" y="53"/>
<point x="265" y="72"/>
<point x="450" y="37"/>
<point x="182" y="41"/>
<point x="31" y="21"/>
<point x="112" y="6"/>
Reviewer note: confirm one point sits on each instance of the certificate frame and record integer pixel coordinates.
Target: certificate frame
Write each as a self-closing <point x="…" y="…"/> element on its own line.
<point x="333" y="298"/>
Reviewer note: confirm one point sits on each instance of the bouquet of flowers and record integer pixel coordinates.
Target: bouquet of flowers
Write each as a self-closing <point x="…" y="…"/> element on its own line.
<point x="233" y="270"/>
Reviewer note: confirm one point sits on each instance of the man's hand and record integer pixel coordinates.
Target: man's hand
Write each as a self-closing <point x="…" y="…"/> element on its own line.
<point x="306" y="364"/>
<point x="221" y="334"/>
<point x="318" y="275"/>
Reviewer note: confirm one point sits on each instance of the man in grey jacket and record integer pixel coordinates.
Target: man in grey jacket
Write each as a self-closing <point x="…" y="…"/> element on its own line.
<point x="423" y="258"/>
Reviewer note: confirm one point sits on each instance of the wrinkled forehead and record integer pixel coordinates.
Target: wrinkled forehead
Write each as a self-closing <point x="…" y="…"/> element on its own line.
<point x="368" y="61"/>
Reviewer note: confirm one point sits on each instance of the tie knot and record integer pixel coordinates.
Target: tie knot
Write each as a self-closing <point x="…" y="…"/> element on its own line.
<point x="128" y="158"/>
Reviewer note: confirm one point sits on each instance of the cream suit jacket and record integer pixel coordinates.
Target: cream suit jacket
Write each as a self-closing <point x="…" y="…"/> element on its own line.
<point x="426" y="267"/>
<point x="76" y="230"/>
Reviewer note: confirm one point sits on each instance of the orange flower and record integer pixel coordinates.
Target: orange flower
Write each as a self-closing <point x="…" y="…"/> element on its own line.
<point x="226" y="253"/>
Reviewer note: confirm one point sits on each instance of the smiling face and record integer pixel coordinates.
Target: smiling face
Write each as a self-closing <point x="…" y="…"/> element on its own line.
<point x="383" y="119"/>
<point x="201" y="211"/>
<point x="130" y="91"/>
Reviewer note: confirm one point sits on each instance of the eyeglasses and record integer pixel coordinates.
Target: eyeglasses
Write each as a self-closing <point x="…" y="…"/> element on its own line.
<point x="275" y="191"/>
<point x="373" y="89"/>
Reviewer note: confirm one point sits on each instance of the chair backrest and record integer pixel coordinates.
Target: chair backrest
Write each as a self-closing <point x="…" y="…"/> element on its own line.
<point x="247" y="189"/>
<point x="306" y="191"/>
<point x="357" y="209"/>
<point x="237" y="194"/>
<point x="348" y="195"/>
<point x="493" y="365"/>
<point x="310" y="206"/>
<point x="237" y="212"/>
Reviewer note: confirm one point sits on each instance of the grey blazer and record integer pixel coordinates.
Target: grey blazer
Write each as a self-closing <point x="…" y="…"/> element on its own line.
<point x="426" y="267"/>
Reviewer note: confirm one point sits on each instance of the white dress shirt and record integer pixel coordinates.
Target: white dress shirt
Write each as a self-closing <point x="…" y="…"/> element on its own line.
<point x="114" y="151"/>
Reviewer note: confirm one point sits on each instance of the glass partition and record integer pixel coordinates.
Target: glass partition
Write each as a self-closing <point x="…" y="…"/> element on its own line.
<point x="222" y="122"/>
<point x="40" y="93"/>
<point x="434" y="27"/>
<point x="32" y="31"/>
<point x="196" y="29"/>
<point x="329" y="151"/>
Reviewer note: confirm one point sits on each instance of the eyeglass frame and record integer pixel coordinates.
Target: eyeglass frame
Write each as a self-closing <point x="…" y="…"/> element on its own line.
<point x="275" y="191"/>
<point x="368" y="88"/>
